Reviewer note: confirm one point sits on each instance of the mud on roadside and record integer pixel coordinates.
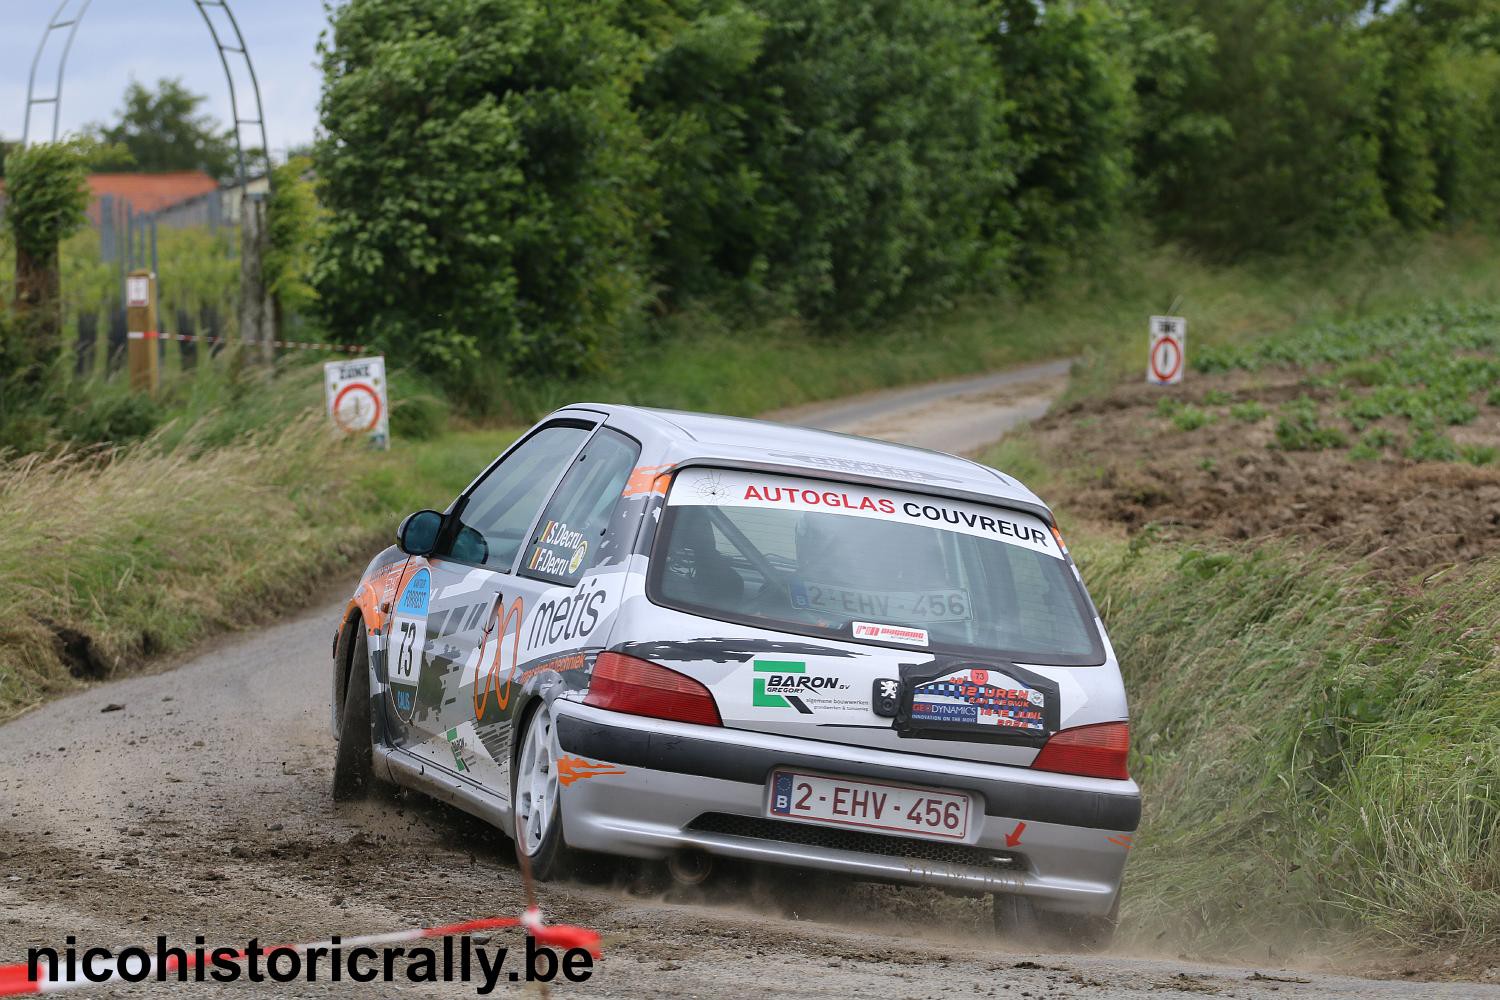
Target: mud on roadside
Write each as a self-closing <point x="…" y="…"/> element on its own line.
<point x="1132" y="465"/>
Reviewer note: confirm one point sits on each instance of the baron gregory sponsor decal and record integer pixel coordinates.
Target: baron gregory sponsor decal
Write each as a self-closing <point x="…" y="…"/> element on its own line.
<point x="738" y="488"/>
<point x="790" y="684"/>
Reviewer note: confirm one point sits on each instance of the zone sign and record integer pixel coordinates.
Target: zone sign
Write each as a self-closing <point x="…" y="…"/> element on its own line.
<point x="1168" y="350"/>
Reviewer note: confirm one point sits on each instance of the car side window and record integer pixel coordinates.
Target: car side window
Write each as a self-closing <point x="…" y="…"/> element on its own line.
<point x="570" y="534"/>
<point x="499" y="511"/>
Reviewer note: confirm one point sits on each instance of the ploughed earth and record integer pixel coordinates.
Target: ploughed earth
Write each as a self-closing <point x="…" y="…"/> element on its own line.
<point x="1210" y="458"/>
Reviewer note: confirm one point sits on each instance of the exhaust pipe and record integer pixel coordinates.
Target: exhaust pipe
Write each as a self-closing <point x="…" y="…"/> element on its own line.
<point x="690" y="867"/>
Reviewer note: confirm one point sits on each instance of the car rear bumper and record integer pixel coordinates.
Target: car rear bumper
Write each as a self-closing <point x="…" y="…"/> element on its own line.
<point x="646" y="788"/>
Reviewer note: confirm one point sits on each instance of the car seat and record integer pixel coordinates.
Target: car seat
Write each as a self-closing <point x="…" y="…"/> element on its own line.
<point x="697" y="572"/>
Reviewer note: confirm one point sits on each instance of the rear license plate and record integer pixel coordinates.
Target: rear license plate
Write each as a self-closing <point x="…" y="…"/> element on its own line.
<point x="869" y="805"/>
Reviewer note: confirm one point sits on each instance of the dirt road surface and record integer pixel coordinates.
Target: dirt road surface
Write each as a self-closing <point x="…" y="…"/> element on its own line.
<point x="195" y="801"/>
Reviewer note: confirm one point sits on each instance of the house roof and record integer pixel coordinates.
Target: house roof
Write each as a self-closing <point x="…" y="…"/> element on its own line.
<point x="152" y="192"/>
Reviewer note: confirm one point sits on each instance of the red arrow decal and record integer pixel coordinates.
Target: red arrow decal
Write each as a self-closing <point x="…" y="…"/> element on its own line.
<point x="1014" y="837"/>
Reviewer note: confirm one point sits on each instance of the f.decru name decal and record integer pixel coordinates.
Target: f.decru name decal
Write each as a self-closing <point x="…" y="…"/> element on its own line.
<point x="733" y="488"/>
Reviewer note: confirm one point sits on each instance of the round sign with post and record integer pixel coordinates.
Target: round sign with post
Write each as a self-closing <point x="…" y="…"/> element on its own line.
<point x="1168" y="350"/>
<point x="357" y="402"/>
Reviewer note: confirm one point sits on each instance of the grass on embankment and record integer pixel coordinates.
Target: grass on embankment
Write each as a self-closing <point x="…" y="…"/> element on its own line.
<point x="1319" y="751"/>
<point x="114" y="556"/>
<point x="1317" y="735"/>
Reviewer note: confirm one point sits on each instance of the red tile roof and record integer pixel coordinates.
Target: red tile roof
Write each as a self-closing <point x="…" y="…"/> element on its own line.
<point x="152" y="192"/>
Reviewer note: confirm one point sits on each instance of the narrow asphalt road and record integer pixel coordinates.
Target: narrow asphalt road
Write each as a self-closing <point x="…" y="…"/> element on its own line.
<point x="195" y="801"/>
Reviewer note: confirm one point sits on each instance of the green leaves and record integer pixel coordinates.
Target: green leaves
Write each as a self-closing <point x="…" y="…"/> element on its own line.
<point x="485" y="183"/>
<point x="47" y="191"/>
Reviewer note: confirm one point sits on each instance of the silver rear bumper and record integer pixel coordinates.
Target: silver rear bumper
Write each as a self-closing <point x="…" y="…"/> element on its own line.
<point x="674" y="786"/>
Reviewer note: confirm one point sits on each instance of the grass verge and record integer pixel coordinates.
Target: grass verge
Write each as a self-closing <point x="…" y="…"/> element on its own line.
<point x="1308" y="635"/>
<point x="115" y="555"/>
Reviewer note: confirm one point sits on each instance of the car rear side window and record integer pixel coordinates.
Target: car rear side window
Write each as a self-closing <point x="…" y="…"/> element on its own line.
<point x="570" y="534"/>
<point x="861" y="563"/>
<point x="501" y="508"/>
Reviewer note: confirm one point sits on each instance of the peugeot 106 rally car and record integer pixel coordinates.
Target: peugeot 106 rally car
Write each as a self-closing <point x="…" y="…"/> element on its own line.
<point x="669" y="635"/>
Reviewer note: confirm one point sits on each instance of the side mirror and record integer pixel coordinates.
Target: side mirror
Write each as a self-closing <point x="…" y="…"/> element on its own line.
<point x="418" y="533"/>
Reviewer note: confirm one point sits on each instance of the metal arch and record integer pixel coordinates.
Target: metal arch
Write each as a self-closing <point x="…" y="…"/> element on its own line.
<point x="59" y="22"/>
<point x="259" y="121"/>
<point x="56" y="24"/>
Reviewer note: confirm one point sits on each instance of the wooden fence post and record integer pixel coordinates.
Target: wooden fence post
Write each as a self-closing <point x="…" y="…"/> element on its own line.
<point x="142" y="331"/>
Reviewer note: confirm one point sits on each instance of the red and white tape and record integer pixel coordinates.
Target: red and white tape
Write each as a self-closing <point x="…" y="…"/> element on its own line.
<point x="295" y="345"/>
<point x="14" y="980"/>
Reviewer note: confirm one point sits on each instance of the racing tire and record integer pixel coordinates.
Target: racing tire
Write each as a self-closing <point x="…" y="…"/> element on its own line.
<point x="353" y="766"/>
<point x="536" y="806"/>
<point x="1020" y="921"/>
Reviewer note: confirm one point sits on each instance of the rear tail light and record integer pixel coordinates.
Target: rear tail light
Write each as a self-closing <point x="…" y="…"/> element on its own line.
<point x="639" y="687"/>
<point x="1096" y="751"/>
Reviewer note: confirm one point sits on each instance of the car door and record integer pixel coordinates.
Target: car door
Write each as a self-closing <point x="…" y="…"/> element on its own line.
<point x="552" y="612"/>
<point x="448" y="602"/>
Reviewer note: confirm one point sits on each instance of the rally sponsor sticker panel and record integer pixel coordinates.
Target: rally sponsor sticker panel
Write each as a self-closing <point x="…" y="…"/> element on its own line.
<point x="980" y="698"/>
<point x="741" y="488"/>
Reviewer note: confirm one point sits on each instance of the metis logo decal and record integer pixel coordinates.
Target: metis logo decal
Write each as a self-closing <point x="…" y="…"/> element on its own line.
<point x="787" y="684"/>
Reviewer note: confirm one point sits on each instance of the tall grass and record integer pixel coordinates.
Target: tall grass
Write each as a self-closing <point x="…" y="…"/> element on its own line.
<point x="115" y="554"/>
<point x="1319" y="751"/>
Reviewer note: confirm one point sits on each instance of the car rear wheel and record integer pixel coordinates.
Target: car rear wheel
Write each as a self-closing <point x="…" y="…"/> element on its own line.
<point x="535" y="800"/>
<point x="1018" y="920"/>
<point x="353" y="766"/>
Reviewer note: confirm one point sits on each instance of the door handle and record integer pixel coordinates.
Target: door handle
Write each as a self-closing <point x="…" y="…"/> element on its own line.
<point x="494" y="612"/>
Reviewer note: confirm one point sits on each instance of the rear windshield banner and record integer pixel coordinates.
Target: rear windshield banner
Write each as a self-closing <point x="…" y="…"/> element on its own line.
<point x="737" y="488"/>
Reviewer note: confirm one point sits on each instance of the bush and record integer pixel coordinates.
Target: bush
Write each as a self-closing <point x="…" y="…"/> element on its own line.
<point x="845" y="159"/>
<point x="485" y="180"/>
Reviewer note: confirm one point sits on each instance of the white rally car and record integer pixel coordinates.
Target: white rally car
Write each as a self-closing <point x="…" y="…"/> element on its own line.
<point x="678" y="636"/>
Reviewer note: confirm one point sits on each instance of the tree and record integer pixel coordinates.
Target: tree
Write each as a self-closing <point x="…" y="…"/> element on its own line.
<point x="163" y="130"/>
<point x="485" y="180"/>
<point x="47" y="192"/>
<point x="843" y="158"/>
<point x="1068" y="83"/>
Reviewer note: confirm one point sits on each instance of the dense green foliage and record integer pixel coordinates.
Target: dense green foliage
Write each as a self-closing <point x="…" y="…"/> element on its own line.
<point x="293" y="218"/>
<point x="528" y="189"/>
<point x="485" y="179"/>
<point x="845" y="158"/>
<point x="46" y="194"/>
<point x="164" y="130"/>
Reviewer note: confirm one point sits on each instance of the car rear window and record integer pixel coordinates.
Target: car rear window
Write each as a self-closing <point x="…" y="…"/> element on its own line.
<point x="854" y="562"/>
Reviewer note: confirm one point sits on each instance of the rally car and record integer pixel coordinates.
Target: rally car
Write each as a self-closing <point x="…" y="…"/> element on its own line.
<point x="678" y="636"/>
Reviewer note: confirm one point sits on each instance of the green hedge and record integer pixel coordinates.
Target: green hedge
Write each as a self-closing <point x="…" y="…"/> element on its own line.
<point x="524" y="185"/>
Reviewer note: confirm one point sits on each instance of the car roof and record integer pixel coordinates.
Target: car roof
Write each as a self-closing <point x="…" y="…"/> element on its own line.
<point x="741" y="440"/>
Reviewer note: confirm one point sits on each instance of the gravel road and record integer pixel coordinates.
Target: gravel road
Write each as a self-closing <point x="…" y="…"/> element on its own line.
<point x="195" y="801"/>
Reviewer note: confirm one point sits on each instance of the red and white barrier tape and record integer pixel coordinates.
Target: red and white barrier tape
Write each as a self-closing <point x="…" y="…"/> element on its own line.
<point x="289" y="344"/>
<point x="14" y="981"/>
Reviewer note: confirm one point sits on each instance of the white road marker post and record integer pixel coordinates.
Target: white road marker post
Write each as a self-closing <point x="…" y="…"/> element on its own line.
<point x="1168" y="347"/>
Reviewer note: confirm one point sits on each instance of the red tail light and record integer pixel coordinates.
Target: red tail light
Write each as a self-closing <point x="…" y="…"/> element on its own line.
<point x="639" y="687"/>
<point x="1096" y="751"/>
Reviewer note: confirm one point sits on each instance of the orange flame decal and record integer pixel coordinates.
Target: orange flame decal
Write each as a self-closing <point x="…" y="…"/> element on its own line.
<point x="571" y="769"/>
<point x="645" y="479"/>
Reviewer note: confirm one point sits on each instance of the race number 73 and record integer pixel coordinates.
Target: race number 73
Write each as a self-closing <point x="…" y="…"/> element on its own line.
<point x="404" y="656"/>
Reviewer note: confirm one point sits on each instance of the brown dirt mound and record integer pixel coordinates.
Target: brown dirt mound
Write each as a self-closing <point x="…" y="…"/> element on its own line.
<point x="1134" y="467"/>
